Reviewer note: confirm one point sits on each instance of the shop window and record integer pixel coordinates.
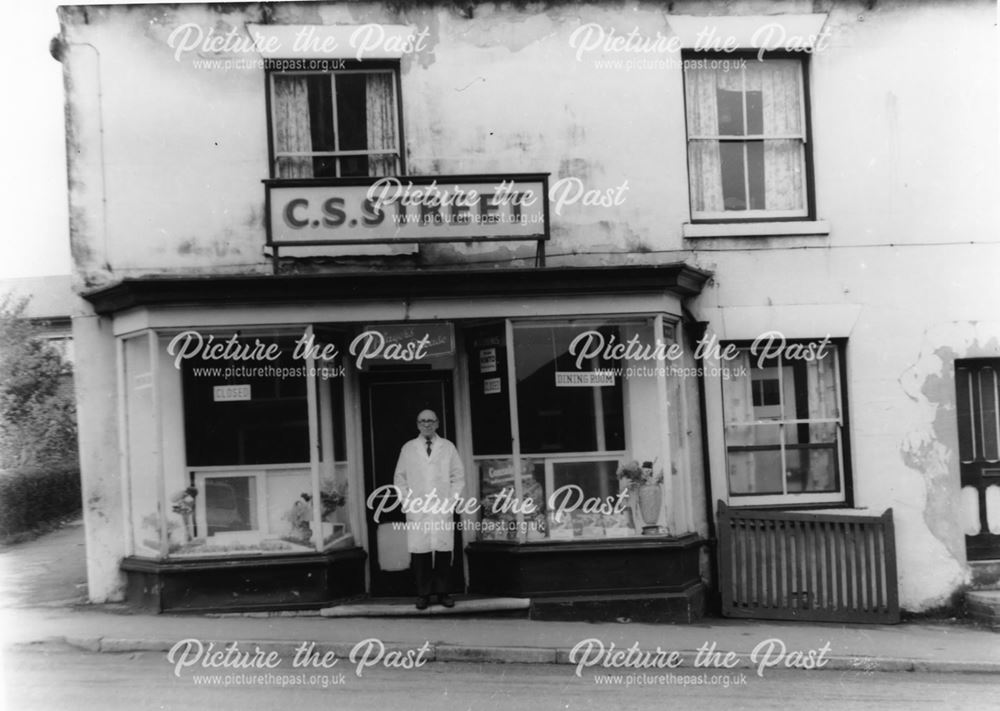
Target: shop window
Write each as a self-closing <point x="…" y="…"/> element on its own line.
<point x="571" y="431"/>
<point x="555" y="414"/>
<point x="747" y="142"/>
<point x="785" y="428"/>
<point x="335" y="124"/>
<point x="248" y="485"/>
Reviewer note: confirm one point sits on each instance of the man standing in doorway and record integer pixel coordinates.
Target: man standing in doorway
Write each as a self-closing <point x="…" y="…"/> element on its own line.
<point x="429" y="468"/>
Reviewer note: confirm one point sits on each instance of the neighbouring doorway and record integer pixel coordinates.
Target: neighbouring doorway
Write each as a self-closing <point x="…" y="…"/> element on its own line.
<point x="978" y="404"/>
<point x="390" y="403"/>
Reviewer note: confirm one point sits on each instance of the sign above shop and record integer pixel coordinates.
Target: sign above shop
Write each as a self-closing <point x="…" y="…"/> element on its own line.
<point x="401" y="343"/>
<point x="388" y="210"/>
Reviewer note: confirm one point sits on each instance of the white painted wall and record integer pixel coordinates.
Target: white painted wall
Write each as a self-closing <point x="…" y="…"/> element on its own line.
<point x="166" y="161"/>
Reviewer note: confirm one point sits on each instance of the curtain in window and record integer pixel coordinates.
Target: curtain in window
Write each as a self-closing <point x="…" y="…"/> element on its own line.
<point x="292" y="130"/>
<point x="705" y="163"/>
<point x="778" y="82"/>
<point x="781" y="99"/>
<point x="381" y="111"/>
<point x="821" y="385"/>
<point x="738" y="411"/>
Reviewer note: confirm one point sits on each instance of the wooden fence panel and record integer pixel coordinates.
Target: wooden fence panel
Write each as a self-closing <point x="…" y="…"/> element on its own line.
<point x="806" y="566"/>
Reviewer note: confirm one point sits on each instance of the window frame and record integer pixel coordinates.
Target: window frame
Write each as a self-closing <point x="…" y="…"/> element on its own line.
<point x="751" y="216"/>
<point x="844" y="498"/>
<point x="342" y="67"/>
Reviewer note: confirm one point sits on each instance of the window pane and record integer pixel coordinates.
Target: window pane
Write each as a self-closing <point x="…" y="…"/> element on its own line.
<point x="489" y="393"/>
<point x="755" y="472"/>
<point x="560" y="418"/>
<point x="777" y="82"/>
<point x="755" y="113"/>
<point x="321" y="112"/>
<point x="705" y="166"/>
<point x="597" y="481"/>
<point x="755" y="175"/>
<point x="732" y="157"/>
<point x="292" y="125"/>
<point x="352" y="122"/>
<point x="988" y="414"/>
<point x="270" y="427"/>
<point x="812" y="469"/>
<point x="784" y="180"/>
<point x="321" y="123"/>
<point x="730" y="105"/>
<point x="230" y="504"/>
<point x="963" y="389"/>
<point x="498" y="502"/>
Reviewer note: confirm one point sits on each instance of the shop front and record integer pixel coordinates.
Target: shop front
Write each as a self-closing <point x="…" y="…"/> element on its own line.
<point x="261" y="418"/>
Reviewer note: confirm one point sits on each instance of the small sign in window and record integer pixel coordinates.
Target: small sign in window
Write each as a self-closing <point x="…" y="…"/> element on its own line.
<point x="230" y="393"/>
<point x="571" y="379"/>
<point x="488" y="360"/>
<point x="491" y="386"/>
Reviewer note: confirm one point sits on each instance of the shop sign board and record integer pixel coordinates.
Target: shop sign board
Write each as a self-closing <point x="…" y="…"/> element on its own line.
<point x="387" y="210"/>
<point x="393" y="343"/>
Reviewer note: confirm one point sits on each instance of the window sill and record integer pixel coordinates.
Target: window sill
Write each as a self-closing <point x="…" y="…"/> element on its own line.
<point x="792" y="228"/>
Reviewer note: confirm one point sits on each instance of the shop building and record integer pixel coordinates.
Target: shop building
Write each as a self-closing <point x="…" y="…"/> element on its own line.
<point x="751" y="249"/>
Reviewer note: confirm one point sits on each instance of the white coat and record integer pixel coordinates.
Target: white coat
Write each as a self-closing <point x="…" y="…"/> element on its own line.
<point x="418" y="474"/>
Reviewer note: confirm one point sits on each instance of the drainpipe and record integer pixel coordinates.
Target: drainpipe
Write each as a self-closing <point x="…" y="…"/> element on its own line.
<point x="694" y="332"/>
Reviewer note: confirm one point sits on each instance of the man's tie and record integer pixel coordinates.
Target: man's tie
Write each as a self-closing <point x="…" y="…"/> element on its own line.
<point x="428" y="446"/>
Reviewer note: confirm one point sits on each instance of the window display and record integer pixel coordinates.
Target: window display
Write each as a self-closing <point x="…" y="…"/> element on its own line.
<point x="235" y="476"/>
<point x="571" y="431"/>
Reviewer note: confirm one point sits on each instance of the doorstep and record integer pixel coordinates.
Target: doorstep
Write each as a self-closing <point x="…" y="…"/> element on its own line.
<point x="404" y="607"/>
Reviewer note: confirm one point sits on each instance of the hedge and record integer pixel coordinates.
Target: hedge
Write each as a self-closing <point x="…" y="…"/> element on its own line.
<point x="32" y="497"/>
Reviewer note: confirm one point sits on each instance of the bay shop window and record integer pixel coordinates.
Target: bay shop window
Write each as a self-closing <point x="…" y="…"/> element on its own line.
<point x="218" y="452"/>
<point x="552" y="430"/>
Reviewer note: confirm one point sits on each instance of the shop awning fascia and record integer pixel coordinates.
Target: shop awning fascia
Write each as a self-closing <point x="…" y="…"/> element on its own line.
<point x="678" y="278"/>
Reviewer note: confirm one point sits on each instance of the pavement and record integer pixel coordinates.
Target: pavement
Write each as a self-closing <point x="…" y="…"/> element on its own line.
<point x="42" y="600"/>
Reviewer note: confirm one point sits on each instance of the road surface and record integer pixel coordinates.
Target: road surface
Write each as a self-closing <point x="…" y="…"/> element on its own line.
<point x="54" y="676"/>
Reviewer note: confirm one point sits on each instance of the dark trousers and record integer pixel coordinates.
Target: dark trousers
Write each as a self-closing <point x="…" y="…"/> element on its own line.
<point x="431" y="571"/>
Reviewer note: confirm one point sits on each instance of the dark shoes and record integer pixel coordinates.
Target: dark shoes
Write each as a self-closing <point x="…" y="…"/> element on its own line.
<point x="445" y="600"/>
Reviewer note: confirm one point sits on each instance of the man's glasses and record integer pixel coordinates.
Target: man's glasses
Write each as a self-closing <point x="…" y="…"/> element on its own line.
<point x="426" y="422"/>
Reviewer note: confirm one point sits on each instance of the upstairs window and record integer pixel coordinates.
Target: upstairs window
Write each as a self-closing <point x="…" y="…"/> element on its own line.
<point x="746" y="126"/>
<point x="335" y="124"/>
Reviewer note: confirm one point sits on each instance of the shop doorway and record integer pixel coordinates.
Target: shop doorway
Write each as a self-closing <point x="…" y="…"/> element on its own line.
<point x="390" y="403"/>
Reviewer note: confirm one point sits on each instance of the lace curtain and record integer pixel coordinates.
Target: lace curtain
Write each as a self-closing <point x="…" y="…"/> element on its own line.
<point x="778" y="82"/>
<point x="293" y="129"/>
<point x="823" y="404"/>
<point x="381" y="112"/>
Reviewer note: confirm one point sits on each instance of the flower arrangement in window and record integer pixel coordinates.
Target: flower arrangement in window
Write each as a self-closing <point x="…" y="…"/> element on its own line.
<point x="644" y="482"/>
<point x="300" y="516"/>
<point x="639" y="475"/>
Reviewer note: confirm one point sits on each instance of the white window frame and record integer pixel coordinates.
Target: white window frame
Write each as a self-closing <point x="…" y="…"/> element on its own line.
<point x="730" y="215"/>
<point x="788" y="498"/>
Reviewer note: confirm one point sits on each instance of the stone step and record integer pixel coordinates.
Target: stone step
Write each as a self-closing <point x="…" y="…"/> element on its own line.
<point x="405" y="608"/>
<point x="984" y="606"/>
